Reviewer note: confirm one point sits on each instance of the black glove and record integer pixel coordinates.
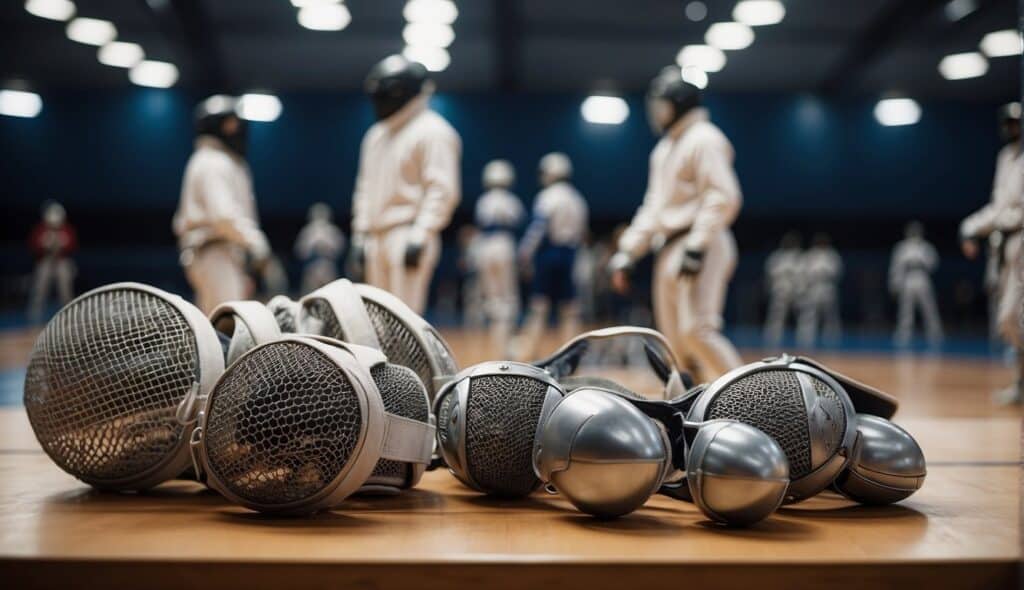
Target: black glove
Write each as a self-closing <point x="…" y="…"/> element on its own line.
<point x="692" y="262"/>
<point x="413" y="252"/>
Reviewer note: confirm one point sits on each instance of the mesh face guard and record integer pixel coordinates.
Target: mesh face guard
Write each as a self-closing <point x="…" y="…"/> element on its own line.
<point x="488" y="417"/>
<point x="298" y="425"/>
<point x="286" y="312"/>
<point x="602" y="357"/>
<point x="801" y="406"/>
<point x="246" y="324"/>
<point x="336" y="310"/>
<point x="106" y="382"/>
<point x="407" y="339"/>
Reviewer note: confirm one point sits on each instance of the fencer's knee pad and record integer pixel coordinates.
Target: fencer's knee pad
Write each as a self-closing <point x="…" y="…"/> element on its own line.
<point x="299" y="424"/>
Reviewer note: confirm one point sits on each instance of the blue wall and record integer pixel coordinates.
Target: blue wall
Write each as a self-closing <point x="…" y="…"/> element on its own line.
<point x="115" y="160"/>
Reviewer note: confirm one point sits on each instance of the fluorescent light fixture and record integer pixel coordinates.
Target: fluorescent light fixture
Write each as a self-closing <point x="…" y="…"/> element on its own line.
<point x="696" y="11"/>
<point x="436" y="59"/>
<point x="120" y="55"/>
<point x="757" y="13"/>
<point x="430" y="11"/>
<point x="961" y="66"/>
<point x="729" y="36"/>
<point x="604" y="110"/>
<point x="305" y="3"/>
<point x="259" y="107"/>
<point x="91" y="31"/>
<point x="51" y="9"/>
<point x="1002" y="43"/>
<point x="19" y="103"/>
<point x="155" y="74"/>
<point x="957" y="9"/>
<point x="429" y="34"/>
<point x="695" y="76"/>
<point x="893" y="112"/>
<point x="705" y="57"/>
<point x="324" y="16"/>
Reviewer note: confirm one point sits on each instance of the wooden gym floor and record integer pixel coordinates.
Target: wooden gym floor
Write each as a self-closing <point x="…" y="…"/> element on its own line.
<point x="962" y="530"/>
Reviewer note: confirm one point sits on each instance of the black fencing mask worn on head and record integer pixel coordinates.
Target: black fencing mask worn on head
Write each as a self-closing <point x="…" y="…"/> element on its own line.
<point x="669" y="98"/>
<point x="218" y="116"/>
<point x="392" y="83"/>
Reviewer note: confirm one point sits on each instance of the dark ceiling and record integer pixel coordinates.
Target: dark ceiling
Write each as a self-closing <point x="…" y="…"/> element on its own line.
<point x="858" y="47"/>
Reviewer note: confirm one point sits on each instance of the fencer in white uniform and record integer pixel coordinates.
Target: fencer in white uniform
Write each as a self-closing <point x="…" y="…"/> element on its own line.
<point x="408" y="182"/>
<point x="319" y="244"/>
<point x="52" y="242"/>
<point x="557" y="228"/>
<point x="1005" y="214"/>
<point x="819" y="299"/>
<point x="216" y="222"/>
<point x="783" y="277"/>
<point x="693" y="196"/>
<point x="499" y="215"/>
<point x="910" y="281"/>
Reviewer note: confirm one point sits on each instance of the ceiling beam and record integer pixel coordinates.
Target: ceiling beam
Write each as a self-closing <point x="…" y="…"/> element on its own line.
<point x="889" y="26"/>
<point x="190" y="32"/>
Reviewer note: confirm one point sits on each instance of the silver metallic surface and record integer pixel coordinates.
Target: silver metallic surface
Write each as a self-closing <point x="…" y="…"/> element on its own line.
<point x="737" y="474"/>
<point x="606" y="456"/>
<point x="888" y="467"/>
<point x="823" y="419"/>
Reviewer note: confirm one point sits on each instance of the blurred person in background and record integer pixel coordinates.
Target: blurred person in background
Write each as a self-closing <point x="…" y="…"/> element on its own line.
<point x="548" y="249"/>
<point x="822" y="268"/>
<point x="216" y="223"/>
<point x="474" y="313"/>
<point x="782" y="276"/>
<point x="52" y="242"/>
<point x="1004" y="214"/>
<point x="914" y="260"/>
<point x="692" y="199"/>
<point x="499" y="215"/>
<point x="319" y="245"/>
<point x="407" y="186"/>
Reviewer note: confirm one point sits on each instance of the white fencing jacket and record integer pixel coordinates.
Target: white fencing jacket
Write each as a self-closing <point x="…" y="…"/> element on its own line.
<point x="691" y="187"/>
<point x="408" y="173"/>
<point x="1005" y="212"/>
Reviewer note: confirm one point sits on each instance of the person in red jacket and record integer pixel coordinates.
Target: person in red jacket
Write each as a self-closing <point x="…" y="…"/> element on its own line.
<point x="52" y="241"/>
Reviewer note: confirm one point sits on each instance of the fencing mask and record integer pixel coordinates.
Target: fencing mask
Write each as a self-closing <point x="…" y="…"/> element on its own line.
<point x="297" y="425"/>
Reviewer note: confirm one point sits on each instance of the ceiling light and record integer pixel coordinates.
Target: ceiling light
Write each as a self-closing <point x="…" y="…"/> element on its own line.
<point x="1002" y="43"/>
<point x="19" y="103"/>
<point x="324" y="16"/>
<point x="705" y="57"/>
<point x="429" y="34"/>
<point x="893" y="112"/>
<point x="604" y="110"/>
<point x="695" y="76"/>
<point x="957" y="9"/>
<point x="51" y="9"/>
<point x="436" y="59"/>
<point x="120" y="54"/>
<point x="155" y="74"/>
<point x="729" y="36"/>
<point x="757" y="13"/>
<point x="91" y="31"/>
<point x="696" y="11"/>
<point x="960" y="66"/>
<point x="259" y="107"/>
<point x="304" y="3"/>
<point x="430" y="11"/>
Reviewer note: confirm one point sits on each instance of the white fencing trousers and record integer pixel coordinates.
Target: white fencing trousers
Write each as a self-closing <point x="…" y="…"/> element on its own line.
<point x="782" y="301"/>
<point x="51" y="271"/>
<point x="688" y="310"/>
<point x="820" y="306"/>
<point x="496" y="271"/>
<point x="385" y="265"/>
<point x="217" y="274"/>
<point x="1011" y="293"/>
<point x="916" y="293"/>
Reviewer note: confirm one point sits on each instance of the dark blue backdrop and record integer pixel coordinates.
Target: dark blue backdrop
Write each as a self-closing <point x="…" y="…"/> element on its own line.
<point x="115" y="160"/>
